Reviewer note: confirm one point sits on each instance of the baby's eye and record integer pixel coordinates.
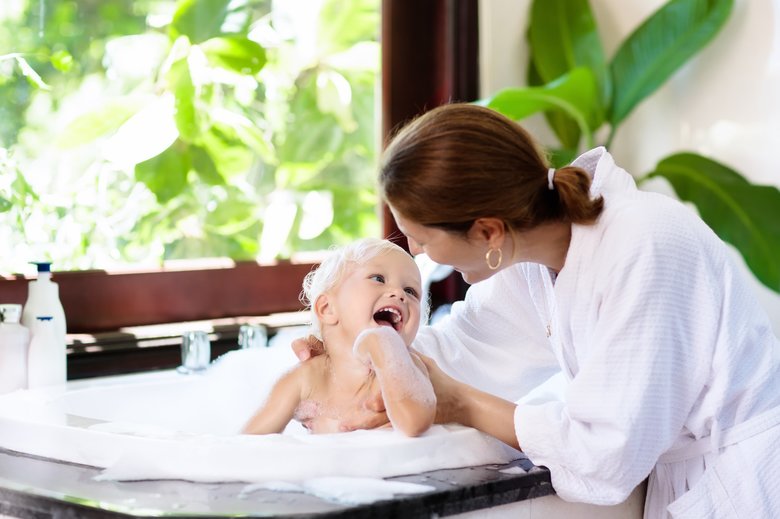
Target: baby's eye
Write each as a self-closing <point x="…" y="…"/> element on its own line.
<point x="411" y="291"/>
<point x="379" y="278"/>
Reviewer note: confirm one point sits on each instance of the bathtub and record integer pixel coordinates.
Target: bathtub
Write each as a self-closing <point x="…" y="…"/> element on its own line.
<point x="169" y="426"/>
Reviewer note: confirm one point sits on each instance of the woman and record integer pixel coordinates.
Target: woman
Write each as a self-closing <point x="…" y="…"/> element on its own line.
<point x="672" y="365"/>
<point x="673" y="371"/>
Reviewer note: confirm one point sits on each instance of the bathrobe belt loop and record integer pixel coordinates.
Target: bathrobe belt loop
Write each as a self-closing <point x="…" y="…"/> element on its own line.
<point x="734" y="434"/>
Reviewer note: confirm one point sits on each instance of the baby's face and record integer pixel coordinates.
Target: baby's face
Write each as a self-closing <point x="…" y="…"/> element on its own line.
<point x="384" y="291"/>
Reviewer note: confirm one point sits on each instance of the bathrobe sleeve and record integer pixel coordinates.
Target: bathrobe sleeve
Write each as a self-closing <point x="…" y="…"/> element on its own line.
<point x="643" y="308"/>
<point x="493" y="339"/>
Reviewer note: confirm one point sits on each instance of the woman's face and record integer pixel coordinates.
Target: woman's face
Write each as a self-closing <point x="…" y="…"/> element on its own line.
<point x="465" y="255"/>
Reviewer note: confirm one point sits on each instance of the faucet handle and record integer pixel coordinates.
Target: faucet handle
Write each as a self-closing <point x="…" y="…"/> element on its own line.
<point x="195" y="352"/>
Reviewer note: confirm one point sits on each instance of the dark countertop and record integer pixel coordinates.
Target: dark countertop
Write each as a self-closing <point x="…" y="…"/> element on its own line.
<point x="35" y="488"/>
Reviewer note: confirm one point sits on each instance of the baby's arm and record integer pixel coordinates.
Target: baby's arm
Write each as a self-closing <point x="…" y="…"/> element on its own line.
<point x="406" y="389"/>
<point x="279" y="407"/>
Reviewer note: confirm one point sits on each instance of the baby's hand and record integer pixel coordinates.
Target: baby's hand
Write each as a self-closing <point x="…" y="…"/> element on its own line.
<point x="372" y="345"/>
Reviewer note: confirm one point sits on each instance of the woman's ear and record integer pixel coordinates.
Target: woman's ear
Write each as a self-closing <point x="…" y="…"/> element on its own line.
<point x="489" y="230"/>
<point x="325" y="311"/>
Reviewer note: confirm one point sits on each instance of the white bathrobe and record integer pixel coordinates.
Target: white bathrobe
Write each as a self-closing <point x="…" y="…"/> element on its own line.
<point x="663" y="345"/>
<point x="494" y="340"/>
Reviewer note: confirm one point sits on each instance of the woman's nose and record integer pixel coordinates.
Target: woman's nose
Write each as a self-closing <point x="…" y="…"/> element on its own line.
<point x="414" y="248"/>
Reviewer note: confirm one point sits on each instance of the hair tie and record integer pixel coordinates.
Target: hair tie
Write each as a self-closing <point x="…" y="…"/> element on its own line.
<point x="550" y="175"/>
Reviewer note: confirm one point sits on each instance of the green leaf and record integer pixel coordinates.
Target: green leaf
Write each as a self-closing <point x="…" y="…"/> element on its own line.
<point x="201" y="20"/>
<point x="5" y="205"/>
<point x="343" y="24"/>
<point x="563" y="36"/>
<point x="742" y="214"/>
<point x="292" y="175"/>
<point x="166" y="174"/>
<point x="235" y="53"/>
<point x="311" y="135"/>
<point x="91" y="125"/>
<point x="234" y="142"/>
<point x="233" y="214"/>
<point x="230" y="155"/>
<point x="562" y="157"/>
<point x="243" y="130"/>
<point x="575" y="94"/>
<point x="658" y="47"/>
<point x="62" y="60"/>
<point x="204" y="166"/>
<point x="564" y="127"/>
<point x="183" y="89"/>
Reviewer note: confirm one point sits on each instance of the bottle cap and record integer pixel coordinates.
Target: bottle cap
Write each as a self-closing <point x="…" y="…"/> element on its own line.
<point x="10" y="313"/>
<point x="43" y="266"/>
<point x="44" y="317"/>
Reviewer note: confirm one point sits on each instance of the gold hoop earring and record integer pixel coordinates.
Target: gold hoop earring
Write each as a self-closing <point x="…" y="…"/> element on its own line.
<point x="488" y="255"/>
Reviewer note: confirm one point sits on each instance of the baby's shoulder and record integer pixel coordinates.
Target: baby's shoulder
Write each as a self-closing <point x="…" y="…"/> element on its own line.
<point x="312" y="375"/>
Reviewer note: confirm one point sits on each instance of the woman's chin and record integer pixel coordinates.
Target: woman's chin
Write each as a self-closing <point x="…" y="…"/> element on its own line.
<point x="474" y="277"/>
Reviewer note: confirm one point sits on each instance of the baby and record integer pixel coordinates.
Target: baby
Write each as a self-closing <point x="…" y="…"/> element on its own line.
<point x="365" y="307"/>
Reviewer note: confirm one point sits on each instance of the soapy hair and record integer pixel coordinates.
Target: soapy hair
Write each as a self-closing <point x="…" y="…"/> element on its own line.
<point x="461" y="162"/>
<point x="335" y="266"/>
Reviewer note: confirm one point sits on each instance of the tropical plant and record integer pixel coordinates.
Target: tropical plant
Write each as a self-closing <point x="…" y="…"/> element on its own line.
<point x="191" y="128"/>
<point x="582" y="93"/>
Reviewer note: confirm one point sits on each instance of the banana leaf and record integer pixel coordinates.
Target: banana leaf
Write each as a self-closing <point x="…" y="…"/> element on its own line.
<point x="575" y="94"/>
<point x="563" y="126"/>
<point x="742" y="214"/>
<point x="563" y="36"/>
<point x="658" y="47"/>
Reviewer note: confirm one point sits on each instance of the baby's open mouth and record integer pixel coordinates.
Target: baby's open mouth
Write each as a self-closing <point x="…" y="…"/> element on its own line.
<point x="388" y="316"/>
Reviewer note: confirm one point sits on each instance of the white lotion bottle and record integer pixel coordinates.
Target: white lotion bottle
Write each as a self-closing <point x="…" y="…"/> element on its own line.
<point x="43" y="299"/>
<point x="14" y="344"/>
<point x="46" y="361"/>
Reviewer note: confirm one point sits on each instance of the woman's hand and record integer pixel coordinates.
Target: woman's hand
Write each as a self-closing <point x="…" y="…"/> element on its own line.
<point x="307" y="347"/>
<point x="448" y="393"/>
<point x="460" y="403"/>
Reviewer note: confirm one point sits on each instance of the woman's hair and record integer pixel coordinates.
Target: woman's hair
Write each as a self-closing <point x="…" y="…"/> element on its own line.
<point x="333" y="268"/>
<point x="460" y="162"/>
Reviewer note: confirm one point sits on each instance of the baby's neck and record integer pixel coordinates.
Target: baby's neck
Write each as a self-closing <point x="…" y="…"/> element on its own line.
<point x="343" y="365"/>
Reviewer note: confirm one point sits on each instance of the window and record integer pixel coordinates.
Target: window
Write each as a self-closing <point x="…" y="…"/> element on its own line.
<point x="429" y="57"/>
<point x="138" y="132"/>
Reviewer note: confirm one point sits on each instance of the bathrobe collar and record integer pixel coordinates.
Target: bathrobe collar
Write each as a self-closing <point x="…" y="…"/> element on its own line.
<point x="607" y="177"/>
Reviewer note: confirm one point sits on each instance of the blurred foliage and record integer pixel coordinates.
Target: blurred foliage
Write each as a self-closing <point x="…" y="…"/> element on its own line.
<point x="139" y="131"/>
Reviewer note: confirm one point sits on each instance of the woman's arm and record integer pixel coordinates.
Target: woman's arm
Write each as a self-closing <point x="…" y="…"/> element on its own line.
<point x="407" y="392"/>
<point x="467" y="405"/>
<point x="279" y="407"/>
<point x="493" y="339"/>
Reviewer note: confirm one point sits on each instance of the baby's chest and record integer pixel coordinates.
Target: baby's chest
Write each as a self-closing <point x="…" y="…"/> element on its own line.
<point x="323" y="416"/>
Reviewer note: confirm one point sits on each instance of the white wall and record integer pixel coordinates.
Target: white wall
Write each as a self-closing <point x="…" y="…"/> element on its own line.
<point x="725" y="103"/>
